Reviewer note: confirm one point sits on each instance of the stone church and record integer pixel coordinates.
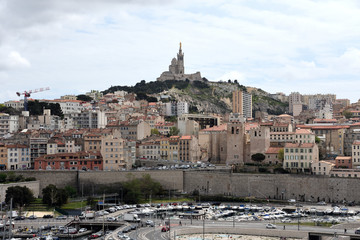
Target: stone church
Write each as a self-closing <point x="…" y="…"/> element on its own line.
<point x="177" y="70"/>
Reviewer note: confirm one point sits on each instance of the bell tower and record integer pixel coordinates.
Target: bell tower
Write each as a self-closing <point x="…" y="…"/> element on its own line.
<point x="180" y="61"/>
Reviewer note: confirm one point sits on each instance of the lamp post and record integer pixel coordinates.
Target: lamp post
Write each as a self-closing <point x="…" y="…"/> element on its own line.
<point x="204" y="227"/>
<point x="298" y="210"/>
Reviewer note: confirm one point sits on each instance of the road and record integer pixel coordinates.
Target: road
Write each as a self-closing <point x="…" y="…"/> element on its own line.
<point x="150" y="233"/>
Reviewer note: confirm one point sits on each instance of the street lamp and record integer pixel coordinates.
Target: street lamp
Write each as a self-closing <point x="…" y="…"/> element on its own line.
<point x="204" y="227"/>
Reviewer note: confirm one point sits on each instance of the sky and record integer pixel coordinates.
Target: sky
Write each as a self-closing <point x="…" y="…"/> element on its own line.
<point x="72" y="47"/>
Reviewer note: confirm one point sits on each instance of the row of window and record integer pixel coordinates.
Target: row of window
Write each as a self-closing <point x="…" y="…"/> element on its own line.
<point x="296" y="150"/>
<point x="296" y="157"/>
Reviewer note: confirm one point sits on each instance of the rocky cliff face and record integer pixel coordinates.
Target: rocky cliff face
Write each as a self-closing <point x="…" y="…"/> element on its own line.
<point x="217" y="98"/>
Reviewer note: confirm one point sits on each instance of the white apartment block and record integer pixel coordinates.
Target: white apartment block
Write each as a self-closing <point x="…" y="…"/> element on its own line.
<point x="69" y="106"/>
<point x="8" y="123"/>
<point x="18" y="105"/>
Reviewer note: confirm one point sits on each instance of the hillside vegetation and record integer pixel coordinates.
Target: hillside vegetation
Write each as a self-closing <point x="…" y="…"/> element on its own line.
<point x="202" y="96"/>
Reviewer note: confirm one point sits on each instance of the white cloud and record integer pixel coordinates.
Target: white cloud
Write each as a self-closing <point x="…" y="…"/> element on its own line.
<point x="275" y="45"/>
<point x="13" y="60"/>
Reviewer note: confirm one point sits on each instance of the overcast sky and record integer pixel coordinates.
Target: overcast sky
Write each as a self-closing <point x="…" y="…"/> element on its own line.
<point x="278" y="46"/>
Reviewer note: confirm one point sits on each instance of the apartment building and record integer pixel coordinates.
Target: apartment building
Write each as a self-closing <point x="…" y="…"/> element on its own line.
<point x="92" y="142"/>
<point x="149" y="149"/>
<point x="38" y="147"/>
<point x="70" y="161"/>
<point x="3" y="156"/>
<point x="8" y="123"/>
<point x="356" y="154"/>
<point x="189" y="150"/>
<point x="300" y="156"/>
<point x="294" y="98"/>
<point x="323" y="167"/>
<point x="112" y="151"/>
<point x="343" y="162"/>
<point x="242" y="103"/>
<point x="18" y="157"/>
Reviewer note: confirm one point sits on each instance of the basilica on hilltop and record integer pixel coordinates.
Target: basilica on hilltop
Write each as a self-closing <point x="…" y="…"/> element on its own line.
<point x="177" y="70"/>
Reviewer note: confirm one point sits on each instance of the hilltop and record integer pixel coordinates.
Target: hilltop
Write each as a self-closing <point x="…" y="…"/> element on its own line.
<point x="202" y="96"/>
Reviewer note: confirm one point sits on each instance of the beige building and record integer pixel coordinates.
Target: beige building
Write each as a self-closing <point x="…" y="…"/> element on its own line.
<point x="112" y="151"/>
<point x="259" y="139"/>
<point x="356" y="154"/>
<point x="3" y="157"/>
<point x="294" y="98"/>
<point x="235" y="143"/>
<point x="300" y="156"/>
<point x="189" y="150"/>
<point x="272" y="155"/>
<point x="18" y="157"/>
<point x="92" y="142"/>
<point x="323" y="167"/>
<point x="242" y="103"/>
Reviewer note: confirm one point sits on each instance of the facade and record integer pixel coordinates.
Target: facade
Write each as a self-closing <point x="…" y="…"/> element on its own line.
<point x="294" y="98"/>
<point x="38" y="147"/>
<point x="272" y="155"/>
<point x="92" y="142"/>
<point x="242" y="103"/>
<point x="18" y="157"/>
<point x="149" y="149"/>
<point x="3" y="156"/>
<point x="70" y="161"/>
<point x="177" y="70"/>
<point x="356" y="154"/>
<point x="176" y="108"/>
<point x="300" y="156"/>
<point x="112" y="151"/>
<point x="191" y="124"/>
<point x="323" y="167"/>
<point x="343" y="162"/>
<point x="189" y="150"/>
<point x="235" y="142"/>
<point x="8" y="123"/>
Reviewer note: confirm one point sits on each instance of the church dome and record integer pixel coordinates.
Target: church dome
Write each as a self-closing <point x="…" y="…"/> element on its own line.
<point x="173" y="61"/>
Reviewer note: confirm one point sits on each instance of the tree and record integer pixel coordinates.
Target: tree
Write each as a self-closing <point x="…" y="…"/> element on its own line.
<point x="84" y="98"/>
<point x="52" y="196"/>
<point x="281" y="154"/>
<point x="21" y="195"/>
<point x="71" y="191"/>
<point x="155" y="131"/>
<point x="258" y="157"/>
<point x="3" y="177"/>
<point x="174" y="131"/>
<point x="347" y="114"/>
<point x="317" y="140"/>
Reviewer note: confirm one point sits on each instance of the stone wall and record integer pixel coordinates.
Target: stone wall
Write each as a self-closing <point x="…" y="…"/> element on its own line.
<point x="273" y="186"/>
<point x="34" y="186"/>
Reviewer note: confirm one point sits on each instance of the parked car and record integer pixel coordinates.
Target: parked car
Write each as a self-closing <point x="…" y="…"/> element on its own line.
<point x="81" y="230"/>
<point x="286" y="220"/>
<point x="165" y="228"/>
<point x="321" y="203"/>
<point x="270" y="226"/>
<point x="357" y="231"/>
<point x="48" y="216"/>
<point x="111" y="219"/>
<point x="19" y="218"/>
<point x="32" y="217"/>
<point x="61" y="217"/>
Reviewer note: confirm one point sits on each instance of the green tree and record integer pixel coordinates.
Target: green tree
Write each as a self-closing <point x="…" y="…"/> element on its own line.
<point x="71" y="191"/>
<point x="52" y="196"/>
<point x="90" y="201"/>
<point x="281" y="154"/>
<point x="174" y="131"/>
<point x="3" y="177"/>
<point x="21" y="195"/>
<point x="258" y="157"/>
<point x="155" y="131"/>
<point x="347" y="114"/>
<point x="84" y="98"/>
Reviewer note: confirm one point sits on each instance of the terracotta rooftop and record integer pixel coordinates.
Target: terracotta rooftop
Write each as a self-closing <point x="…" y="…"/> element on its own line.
<point x="273" y="150"/>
